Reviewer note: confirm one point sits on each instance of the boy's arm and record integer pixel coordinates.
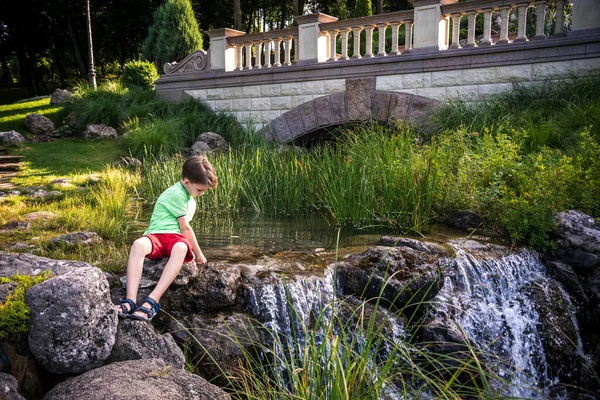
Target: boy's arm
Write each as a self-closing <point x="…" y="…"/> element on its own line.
<point x="188" y="232"/>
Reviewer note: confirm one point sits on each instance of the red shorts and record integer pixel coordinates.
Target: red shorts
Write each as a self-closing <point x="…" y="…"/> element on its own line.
<point x="162" y="244"/>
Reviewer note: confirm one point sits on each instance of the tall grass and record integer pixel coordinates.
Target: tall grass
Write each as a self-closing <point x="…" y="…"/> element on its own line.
<point x="374" y="175"/>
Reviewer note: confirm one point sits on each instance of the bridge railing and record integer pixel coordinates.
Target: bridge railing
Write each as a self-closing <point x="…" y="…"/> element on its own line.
<point x="426" y="28"/>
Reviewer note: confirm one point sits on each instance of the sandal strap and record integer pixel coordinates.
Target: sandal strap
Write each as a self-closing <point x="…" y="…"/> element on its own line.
<point x="150" y="313"/>
<point x="153" y="303"/>
<point x="128" y="302"/>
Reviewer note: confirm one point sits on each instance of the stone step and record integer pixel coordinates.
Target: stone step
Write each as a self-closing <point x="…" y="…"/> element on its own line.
<point x="10" y="159"/>
<point x="10" y="167"/>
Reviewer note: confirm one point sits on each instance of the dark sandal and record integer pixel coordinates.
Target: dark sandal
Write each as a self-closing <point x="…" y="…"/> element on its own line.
<point x="150" y="312"/>
<point x="123" y="313"/>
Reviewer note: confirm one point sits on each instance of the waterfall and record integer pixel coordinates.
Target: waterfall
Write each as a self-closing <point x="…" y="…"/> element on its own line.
<point x="488" y="298"/>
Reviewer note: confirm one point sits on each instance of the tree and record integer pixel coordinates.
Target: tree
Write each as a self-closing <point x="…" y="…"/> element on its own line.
<point x="173" y="35"/>
<point x="363" y="8"/>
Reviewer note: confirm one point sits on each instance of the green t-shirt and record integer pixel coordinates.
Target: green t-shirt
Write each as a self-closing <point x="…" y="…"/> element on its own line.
<point x="173" y="203"/>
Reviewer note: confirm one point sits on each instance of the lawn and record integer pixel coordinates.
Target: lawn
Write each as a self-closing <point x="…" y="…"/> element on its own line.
<point x="12" y="116"/>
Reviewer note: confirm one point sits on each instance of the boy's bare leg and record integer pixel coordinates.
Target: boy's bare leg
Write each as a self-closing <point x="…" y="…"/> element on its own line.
<point x="139" y="250"/>
<point x="178" y="253"/>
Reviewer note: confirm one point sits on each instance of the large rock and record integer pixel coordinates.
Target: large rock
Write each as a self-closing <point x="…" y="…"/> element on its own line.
<point x="578" y="239"/>
<point x="214" y="141"/>
<point x="25" y="370"/>
<point x="139" y="379"/>
<point x="73" y="322"/>
<point x="405" y="278"/>
<point x="100" y="132"/>
<point x="11" y="138"/>
<point x="217" y="342"/>
<point x="28" y="264"/>
<point x="38" y="124"/>
<point x="77" y="238"/>
<point x="60" y="96"/>
<point x="137" y="340"/>
<point x="199" y="148"/>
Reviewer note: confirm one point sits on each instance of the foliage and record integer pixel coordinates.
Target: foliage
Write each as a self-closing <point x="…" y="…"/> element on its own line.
<point x="139" y="75"/>
<point x="363" y="8"/>
<point x="173" y="34"/>
<point x="14" y="313"/>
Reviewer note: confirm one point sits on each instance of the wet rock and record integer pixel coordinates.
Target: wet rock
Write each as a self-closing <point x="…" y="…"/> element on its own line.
<point x="8" y="387"/>
<point x="77" y="238"/>
<point x="216" y="342"/>
<point x="464" y="220"/>
<point x="11" y="138"/>
<point x="405" y="279"/>
<point x="138" y="379"/>
<point x="28" y="264"/>
<point x="38" y="124"/>
<point x="73" y="322"/>
<point x="417" y="245"/>
<point x="578" y="239"/>
<point x="558" y="331"/>
<point x="567" y="277"/>
<point x="100" y="132"/>
<point x="137" y="340"/>
<point x="60" y="96"/>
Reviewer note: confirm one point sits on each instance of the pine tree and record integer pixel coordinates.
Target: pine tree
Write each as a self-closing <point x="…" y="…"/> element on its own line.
<point x="173" y="35"/>
<point x="363" y="8"/>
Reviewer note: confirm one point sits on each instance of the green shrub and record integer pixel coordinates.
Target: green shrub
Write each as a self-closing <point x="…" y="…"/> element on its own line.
<point x="14" y="313"/>
<point x="139" y="75"/>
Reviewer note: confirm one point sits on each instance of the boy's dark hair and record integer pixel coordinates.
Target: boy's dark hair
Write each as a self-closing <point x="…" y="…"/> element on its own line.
<point x="199" y="170"/>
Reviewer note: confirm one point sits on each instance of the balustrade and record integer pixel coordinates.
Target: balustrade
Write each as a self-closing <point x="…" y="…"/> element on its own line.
<point x="325" y="39"/>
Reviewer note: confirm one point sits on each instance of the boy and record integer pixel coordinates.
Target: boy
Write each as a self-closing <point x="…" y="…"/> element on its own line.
<point x="169" y="235"/>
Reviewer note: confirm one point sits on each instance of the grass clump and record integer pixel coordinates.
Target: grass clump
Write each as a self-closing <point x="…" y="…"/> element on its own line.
<point x="14" y="313"/>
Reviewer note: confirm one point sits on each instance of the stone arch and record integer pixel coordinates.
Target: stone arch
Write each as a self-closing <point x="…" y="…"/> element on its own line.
<point x="360" y="102"/>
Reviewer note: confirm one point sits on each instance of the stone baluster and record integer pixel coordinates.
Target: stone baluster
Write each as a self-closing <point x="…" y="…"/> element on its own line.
<point x="248" y="55"/>
<point x="560" y="18"/>
<point x="456" y="31"/>
<point x="471" y="29"/>
<point x="332" y="45"/>
<point x="369" y="41"/>
<point x="504" y="12"/>
<point x="277" y="52"/>
<point x="408" y="36"/>
<point x="540" y="13"/>
<point x="394" y="51"/>
<point x="345" y="33"/>
<point x="381" y="32"/>
<point x="356" y="36"/>
<point x="258" y="61"/>
<point x="522" y="31"/>
<point x="287" y="44"/>
<point x="487" y="28"/>
<point x="268" y="44"/>
<point x="240" y="57"/>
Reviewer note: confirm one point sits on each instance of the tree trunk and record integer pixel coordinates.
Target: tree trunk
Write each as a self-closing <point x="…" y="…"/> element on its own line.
<point x="82" y="71"/>
<point x="379" y="6"/>
<point x="237" y="14"/>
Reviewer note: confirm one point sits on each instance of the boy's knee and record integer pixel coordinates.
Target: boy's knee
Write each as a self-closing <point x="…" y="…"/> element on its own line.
<point x="142" y="243"/>
<point x="179" y="247"/>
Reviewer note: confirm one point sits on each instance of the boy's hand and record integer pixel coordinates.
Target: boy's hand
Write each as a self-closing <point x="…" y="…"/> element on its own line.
<point x="200" y="259"/>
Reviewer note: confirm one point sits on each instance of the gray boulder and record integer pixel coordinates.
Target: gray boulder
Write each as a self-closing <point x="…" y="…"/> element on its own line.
<point x="137" y="340"/>
<point x="60" y="96"/>
<point x="199" y="148"/>
<point x="73" y="323"/>
<point x="578" y="239"/>
<point x="77" y="238"/>
<point x="128" y="162"/>
<point x="8" y="387"/>
<point x="38" y="124"/>
<point x="138" y="379"/>
<point x="40" y="216"/>
<point x="100" y="132"/>
<point x="28" y="264"/>
<point x="11" y="138"/>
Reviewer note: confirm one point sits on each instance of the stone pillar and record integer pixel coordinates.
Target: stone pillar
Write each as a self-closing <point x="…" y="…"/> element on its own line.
<point x="222" y="55"/>
<point x="277" y="53"/>
<point x="560" y="18"/>
<point x="311" y="45"/>
<point x="248" y="55"/>
<point x="487" y="28"/>
<point x="394" y="51"/>
<point x="522" y="29"/>
<point x="356" y="37"/>
<point x="471" y="15"/>
<point x="345" y="33"/>
<point x="381" y="32"/>
<point x="369" y="41"/>
<point x="432" y="29"/>
<point x="333" y="45"/>
<point x="586" y="15"/>
<point x="455" y="31"/>
<point x="504" y="12"/>
<point x="258" y="61"/>
<point x="540" y="20"/>
<point x="408" y="38"/>
<point x="239" y="56"/>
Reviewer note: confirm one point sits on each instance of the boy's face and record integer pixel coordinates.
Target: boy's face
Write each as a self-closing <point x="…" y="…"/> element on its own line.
<point x="194" y="189"/>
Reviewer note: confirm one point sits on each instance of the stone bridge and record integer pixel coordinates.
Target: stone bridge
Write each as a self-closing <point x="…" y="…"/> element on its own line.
<point x="293" y="83"/>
